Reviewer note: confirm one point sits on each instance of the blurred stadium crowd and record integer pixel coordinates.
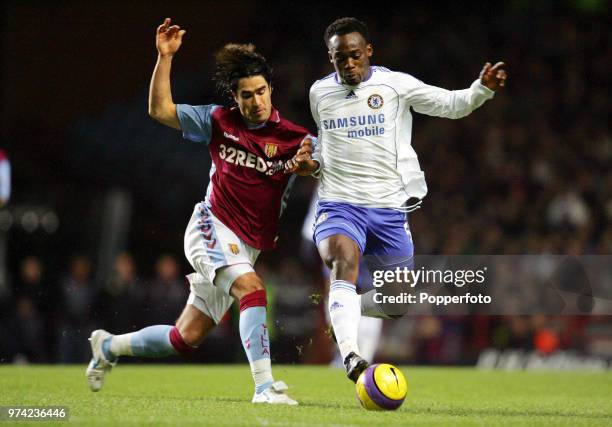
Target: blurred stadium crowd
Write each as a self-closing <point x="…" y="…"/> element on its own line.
<point x="529" y="173"/>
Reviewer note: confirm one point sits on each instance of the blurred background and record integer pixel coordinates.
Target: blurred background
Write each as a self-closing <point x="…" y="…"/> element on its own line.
<point x="92" y="235"/>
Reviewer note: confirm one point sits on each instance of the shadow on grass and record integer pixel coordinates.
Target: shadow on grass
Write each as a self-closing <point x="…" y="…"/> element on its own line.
<point x="323" y="405"/>
<point x="303" y="404"/>
<point x="209" y="399"/>
<point x="157" y="398"/>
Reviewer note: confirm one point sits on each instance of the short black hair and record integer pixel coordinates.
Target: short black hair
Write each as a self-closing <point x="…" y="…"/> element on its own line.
<point x="235" y="61"/>
<point x="344" y="26"/>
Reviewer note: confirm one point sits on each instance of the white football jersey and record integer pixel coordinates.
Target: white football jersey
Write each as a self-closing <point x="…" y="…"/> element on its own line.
<point x="365" y="132"/>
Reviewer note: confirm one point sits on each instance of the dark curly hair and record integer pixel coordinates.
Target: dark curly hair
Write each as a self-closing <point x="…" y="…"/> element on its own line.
<point x="235" y="61"/>
<point x="344" y="26"/>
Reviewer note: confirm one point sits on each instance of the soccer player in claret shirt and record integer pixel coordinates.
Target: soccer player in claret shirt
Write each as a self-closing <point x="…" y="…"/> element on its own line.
<point x="250" y="146"/>
<point x="369" y="171"/>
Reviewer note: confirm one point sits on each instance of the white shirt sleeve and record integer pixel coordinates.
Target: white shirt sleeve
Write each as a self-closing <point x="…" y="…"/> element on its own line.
<point x="435" y="101"/>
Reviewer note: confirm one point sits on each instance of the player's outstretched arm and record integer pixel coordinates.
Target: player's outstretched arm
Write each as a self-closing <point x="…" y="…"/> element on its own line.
<point x="454" y="104"/>
<point x="493" y="76"/>
<point x="161" y="107"/>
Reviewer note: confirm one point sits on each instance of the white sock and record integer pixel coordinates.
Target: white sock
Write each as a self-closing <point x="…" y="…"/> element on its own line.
<point x="121" y="345"/>
<point x="369" y="333"/>
<point x="262" y="374"/>
<point x="369" y="308"/>
<point x="345" y="312"/>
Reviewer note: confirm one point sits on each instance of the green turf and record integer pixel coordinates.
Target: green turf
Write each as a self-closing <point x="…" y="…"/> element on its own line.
<point x="220" y="395"/>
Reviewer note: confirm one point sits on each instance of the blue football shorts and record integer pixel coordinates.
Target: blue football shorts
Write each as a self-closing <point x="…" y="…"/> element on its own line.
<point x="382" y="234"/>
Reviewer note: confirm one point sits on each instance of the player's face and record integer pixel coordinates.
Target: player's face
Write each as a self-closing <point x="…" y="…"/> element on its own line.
<point x="254" y="98"/>
<point x="350" y="55"/>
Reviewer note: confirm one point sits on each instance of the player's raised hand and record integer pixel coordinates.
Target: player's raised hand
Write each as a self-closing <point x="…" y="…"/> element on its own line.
<point x="169" y="38"/>
<point x="494" y="76"/>
<point x="302" y="163"/>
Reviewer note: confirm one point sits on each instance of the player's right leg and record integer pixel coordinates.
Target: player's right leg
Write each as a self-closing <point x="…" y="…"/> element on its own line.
<point x="340" y="237"/>
<point x="249" y="290"/>
<point x="219" y="255"/>
<point x="154" y="341"/>
<point x="370" y="328"/>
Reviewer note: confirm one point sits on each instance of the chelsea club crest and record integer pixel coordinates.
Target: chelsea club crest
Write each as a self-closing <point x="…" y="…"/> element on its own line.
<point x="375" y="101"/>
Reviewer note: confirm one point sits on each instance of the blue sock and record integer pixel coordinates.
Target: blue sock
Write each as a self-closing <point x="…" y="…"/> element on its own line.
<point x="106" y="350"/>
<point x="153" y="341"/>
<point x="255" y="340"/>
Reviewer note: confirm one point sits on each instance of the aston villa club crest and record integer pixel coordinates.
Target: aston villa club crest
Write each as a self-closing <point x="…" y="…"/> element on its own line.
<point x="234" y="248"/>
<point x="270" y="149"/>
<point x="375" y="101"/>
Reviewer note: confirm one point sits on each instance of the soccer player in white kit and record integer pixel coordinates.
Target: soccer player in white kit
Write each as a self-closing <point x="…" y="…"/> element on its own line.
<point x="370" y="174"/>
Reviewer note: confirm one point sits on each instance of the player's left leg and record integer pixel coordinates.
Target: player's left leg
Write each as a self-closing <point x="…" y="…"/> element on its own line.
<point x="249" y="290"/>
<point x="154" y="341"/>
<point x="369" y="328"/>
<point x="163" y="340"/>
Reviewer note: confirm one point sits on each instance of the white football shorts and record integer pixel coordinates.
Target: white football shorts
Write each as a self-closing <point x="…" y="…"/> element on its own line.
<point x="219" y="257"/>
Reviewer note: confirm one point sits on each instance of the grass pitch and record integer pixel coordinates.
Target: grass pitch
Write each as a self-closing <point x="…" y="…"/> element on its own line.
<point x="220" y="396"/>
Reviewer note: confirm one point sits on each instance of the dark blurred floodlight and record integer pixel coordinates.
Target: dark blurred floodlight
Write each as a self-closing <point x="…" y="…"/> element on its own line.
<point x="30" y="218"/>
<point x="30" y="221"/>
<point x="50" y="222"/>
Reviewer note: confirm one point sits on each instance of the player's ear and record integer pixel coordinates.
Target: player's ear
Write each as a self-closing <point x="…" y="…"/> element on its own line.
<point x="235" y="95"/>
<point x="330" y="56"/>
<point x="369" y="50"/>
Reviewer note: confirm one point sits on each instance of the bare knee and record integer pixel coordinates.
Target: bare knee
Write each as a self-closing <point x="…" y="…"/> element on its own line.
<point x="193" y="325"/>
<point x="341" y="255"/>
<point x="246" y="284"/>
<point x="191" y="336"/>
<point x="343" y="267"/>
